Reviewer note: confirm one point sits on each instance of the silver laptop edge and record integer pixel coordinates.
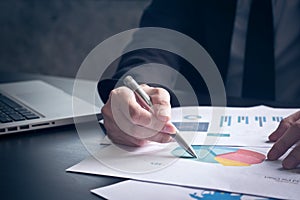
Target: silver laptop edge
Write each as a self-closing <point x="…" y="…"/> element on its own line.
<point x="51" y="104"/>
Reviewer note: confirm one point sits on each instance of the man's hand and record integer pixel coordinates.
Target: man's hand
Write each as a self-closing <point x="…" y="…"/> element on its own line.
<point x="285" y="136"/>
<point x="130" y="122"/>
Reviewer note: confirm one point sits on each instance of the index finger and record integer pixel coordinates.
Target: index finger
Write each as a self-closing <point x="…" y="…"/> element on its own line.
<point x="289" y="138"/>
<point x="284" y="125"/>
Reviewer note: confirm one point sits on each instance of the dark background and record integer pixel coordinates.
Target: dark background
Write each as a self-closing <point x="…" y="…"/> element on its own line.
<point x="53" y="37"/>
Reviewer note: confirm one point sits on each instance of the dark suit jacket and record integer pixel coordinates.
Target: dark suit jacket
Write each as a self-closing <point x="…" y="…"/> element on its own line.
<point x="209" y="22"/>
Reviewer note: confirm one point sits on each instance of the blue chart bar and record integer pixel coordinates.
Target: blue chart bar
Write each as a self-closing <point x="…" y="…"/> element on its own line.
<point x="277" y="118"/>
<point x="219" y="134"/>
<point x="225" y="119"/>
<point x="221" y="121"/>
<point x="244" y="119"/>
<point x="261" y="120"/>
<point x="229" y="121"/>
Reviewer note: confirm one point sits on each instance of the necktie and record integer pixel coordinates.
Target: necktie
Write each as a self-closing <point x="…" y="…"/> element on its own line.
<point x="259" y="75"/>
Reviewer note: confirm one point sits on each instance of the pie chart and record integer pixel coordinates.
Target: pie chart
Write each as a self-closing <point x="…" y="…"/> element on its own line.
<point x="226" y="156"/>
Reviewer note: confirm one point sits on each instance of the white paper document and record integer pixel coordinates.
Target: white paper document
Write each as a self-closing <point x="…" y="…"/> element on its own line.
<point x="148" y="191"/>
<point x="229" y="126"/>
<point x="234" y="169"/>
<point x="235" y="161"/>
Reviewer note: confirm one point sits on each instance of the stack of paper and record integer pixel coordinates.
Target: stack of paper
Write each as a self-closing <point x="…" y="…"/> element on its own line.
<point x="231" y="144"/>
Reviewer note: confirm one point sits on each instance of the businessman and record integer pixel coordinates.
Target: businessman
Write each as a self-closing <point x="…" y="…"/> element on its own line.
<point x="254" y="43"/>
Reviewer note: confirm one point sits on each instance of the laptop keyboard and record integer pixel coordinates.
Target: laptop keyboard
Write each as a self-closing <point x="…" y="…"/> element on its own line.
<point x="11" y="111"/>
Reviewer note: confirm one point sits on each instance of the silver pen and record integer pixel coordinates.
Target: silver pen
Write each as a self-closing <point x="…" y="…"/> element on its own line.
<point x="135" y="87"/>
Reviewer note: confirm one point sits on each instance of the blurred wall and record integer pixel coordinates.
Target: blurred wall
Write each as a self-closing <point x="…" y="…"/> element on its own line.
<point x="54" y="36"/>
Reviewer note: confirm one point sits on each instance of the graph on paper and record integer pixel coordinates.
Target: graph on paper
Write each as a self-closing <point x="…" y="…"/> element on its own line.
<point x="229" y="126"/>
<point x="227" y="120"/>
<point x="226" y="156"/>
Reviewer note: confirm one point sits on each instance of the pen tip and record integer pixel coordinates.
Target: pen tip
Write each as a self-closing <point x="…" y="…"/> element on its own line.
<point x="192" y="152"/>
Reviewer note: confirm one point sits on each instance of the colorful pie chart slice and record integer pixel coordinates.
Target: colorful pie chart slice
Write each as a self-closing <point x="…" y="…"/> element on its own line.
<point x="241" y="157"/>
<point x="226" y="156"/>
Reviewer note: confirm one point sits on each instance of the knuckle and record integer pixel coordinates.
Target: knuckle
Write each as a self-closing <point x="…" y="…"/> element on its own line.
<point x="164" y="102"/>
<point x="143" y="85"/>
<point x="113" y="93"/>
<point x="162" y="99"/>
<point x="106" y="112"/>
<point x="118" y="91"/>
<point x="162" y="91"/>
<point x="296" y="125"/>
<point x="285" y="123"/>
<point x="156" y="91"/>
<point x="104" y="109"/>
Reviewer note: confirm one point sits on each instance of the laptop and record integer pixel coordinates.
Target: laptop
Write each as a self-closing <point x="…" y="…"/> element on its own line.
<point x="32" y="105"/>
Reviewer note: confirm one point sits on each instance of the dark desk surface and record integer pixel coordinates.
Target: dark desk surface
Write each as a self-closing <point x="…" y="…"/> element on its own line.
<point x="32" y="164"/>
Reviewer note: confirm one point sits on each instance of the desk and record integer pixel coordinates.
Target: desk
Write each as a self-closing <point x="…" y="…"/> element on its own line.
<point x="32" y="164"/>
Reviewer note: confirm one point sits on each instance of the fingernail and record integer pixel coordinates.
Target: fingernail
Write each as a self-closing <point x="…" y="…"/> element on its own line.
<point x="272" y="137"/>
<point x="289" y="163"/>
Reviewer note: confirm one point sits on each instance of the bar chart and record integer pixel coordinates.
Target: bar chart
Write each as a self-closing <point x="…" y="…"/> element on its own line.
<point x="229" y="120"/>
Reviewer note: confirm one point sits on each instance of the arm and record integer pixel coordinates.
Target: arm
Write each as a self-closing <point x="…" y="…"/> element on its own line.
<point x="126" y="121"/>
<point x="173" y="15"/>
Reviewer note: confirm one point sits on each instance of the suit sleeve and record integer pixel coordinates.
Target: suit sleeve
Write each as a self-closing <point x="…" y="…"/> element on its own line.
<point x="175" y="15"/>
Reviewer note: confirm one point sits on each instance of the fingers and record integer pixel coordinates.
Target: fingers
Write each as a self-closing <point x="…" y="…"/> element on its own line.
<point x="164" y="135"/>
<point x="161" y="102"/>
<point x="290" y="137"/>
<point x="135" y="127"/>
<point x="119" y="137"/>
<point x="293" y="159"/>
<point x="124" y="108"/>
<point x="283" y="126"/>
<point x="128" y="122"/>
<point x="123" y="101"/>
<point x="138" y="135"/>
<point x="161" y="137"/>
<point x="113" y="120"/>
<point x="160" y="114"/>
